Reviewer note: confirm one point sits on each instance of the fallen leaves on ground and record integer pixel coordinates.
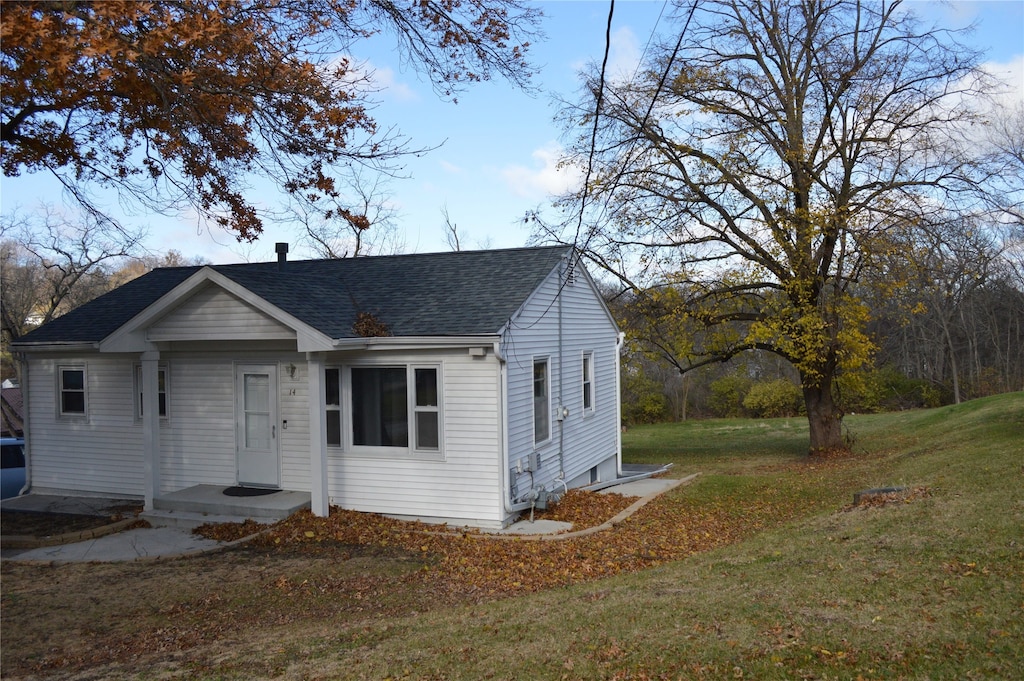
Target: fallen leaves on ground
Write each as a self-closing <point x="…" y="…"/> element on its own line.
<point x="473" y="563"/>
<point x="896" y="496"/>
<point x="228" y="532"/>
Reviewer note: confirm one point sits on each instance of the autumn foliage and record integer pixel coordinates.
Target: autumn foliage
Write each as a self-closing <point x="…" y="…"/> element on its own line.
<point x="180" y="103"/>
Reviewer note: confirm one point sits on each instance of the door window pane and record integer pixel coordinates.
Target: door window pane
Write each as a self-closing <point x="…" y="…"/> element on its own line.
<point x="257" y="431"/>
<point x="257" y="411"/>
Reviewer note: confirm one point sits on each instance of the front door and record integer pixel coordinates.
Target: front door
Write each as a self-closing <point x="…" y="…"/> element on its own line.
<point x="258" y="457"/>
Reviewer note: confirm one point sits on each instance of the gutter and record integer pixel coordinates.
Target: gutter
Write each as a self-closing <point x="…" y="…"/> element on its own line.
<point x="619" y="345"/>
<point x="416" y="342"/>
<point x="25" y="423"/>
<point x="59" y="346"/>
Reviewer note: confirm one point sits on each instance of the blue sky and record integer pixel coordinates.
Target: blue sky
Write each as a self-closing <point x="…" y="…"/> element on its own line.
<point x="498" y="146"/>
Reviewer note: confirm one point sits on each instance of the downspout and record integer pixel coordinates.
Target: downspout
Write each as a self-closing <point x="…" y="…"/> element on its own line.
<point x="506" y="483"/>
<point x="619" y="345"/>
<point x="23" y="361"/>
<point x="563" y="281"/>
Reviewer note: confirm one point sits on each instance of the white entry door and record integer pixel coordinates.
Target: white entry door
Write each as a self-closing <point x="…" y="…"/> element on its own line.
<point x="259" y="462"/>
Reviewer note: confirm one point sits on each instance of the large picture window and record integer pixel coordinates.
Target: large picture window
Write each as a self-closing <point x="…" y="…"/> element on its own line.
<point x="71" y="389"/>
<point x="380" y="407"/>
<point x="541" y="401"/>
<point x="388" y="406"/>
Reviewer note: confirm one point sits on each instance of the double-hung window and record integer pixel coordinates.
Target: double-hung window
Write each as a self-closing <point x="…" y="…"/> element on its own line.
<point x="332" y="381"/>
<point x="71" y="388"/>
<point x="161" y="378"/>
<point x="376" y="407"/>
<point x="588" y="382"/>
<point x="541" y="400"/>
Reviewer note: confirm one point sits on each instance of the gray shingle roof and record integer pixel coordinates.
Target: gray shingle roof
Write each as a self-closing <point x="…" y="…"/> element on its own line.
<point x="435" y="294"/>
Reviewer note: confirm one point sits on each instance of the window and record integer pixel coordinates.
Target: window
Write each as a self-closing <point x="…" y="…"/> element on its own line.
<point x="428" y="427"/>
<point x="332" y="379"/>
<point x="72" y="391"/>
<point x="541" y="402"/>
<point x="380" y="407"/>
<point x="161" y="378"/>
<point x="588" y="381"/>
<point x="393" y="406"/>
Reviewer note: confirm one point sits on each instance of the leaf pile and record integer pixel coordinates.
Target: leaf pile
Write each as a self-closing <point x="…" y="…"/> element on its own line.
<point x="228" y="532"/>
<point x="472" y="564"/>
<point x="878" y="500"/>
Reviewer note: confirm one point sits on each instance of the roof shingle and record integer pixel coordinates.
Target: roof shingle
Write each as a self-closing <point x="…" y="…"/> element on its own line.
<point x="435" y="294"/>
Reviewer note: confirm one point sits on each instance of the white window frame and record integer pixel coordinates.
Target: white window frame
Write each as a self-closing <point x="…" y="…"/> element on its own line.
<point x="137" y="382"/>
<point x="61" y="390"/>
<point x="588" y="387"/>
<point x="347" y="401"/>
<point x="335" y="408"/>
<point x="546" y="362"/>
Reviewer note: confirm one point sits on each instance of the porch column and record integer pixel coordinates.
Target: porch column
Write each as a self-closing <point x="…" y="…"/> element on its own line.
<point x="319" y="498"/>
<point x="151" y="425"/>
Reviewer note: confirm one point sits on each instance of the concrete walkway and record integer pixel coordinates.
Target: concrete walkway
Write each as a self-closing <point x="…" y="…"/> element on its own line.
<point x="171" y="542"/>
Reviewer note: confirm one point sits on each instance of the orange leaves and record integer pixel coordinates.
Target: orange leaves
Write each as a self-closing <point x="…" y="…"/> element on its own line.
<point x="175" y="103"/>
<point x="471" y="563"/>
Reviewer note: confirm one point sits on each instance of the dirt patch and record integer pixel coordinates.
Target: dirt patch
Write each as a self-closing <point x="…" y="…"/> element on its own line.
<point x="42" y="525"/>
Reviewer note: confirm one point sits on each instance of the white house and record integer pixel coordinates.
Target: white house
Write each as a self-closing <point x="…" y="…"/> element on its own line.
<point x="454" y="387"/>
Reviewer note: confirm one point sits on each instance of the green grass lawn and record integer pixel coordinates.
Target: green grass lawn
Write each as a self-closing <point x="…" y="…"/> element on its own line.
<point x="759" y="569"/>
<point x="931" y="587"/>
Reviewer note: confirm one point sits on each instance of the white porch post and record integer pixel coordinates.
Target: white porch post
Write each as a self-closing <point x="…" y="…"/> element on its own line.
<point x="319" y="498"/>
<point x="151" y="425"/>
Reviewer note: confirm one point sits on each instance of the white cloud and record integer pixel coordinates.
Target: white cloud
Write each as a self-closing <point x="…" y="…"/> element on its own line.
<point x="450" y="167"/>
<point x="545" y="178"/>
<point x="364" y="74"/>
<point x="1012" y="75"/>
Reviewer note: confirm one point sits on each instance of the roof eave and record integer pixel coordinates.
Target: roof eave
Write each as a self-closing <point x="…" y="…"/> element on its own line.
<point x="415" y="342"/>
<point x="55" y="346"/>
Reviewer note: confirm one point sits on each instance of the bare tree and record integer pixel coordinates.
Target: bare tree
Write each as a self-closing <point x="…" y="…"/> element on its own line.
<point x="365" y="224"/>
<point x="52" y="264"/>
<point x="760" y="162"/>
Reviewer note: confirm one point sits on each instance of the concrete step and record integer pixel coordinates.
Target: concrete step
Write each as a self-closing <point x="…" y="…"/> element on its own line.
<point x="193" y="519"/>
<point x="209" y="501"/>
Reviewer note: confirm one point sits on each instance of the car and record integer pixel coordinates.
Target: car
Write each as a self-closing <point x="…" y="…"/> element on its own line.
<point x="12" y="466"/>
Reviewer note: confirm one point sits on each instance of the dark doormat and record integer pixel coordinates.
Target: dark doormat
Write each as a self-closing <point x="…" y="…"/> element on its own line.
<point x="249" y="491"/>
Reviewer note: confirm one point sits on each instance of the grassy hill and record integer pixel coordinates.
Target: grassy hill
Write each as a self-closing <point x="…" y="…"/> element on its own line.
<point x="762" y="569"/>
<point x="928" y="586"/>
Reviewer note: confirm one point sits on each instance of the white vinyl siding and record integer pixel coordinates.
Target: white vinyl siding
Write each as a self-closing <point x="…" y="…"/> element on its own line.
<point x="588" y="438"/>
<point x="463" y="486"/>
<point x="98" y="455"/>
<point x="214" y="314"/>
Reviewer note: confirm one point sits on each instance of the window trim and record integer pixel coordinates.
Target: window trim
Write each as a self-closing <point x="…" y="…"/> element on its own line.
<point x="347" y="445"/>
<point x="137" y="383"/>
<point x="588" y="384"/>
<point x="546" y="362"/>
<point x="84" y="414"/>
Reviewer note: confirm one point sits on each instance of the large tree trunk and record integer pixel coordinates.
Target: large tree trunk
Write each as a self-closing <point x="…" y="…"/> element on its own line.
<point x="825" y="420"/>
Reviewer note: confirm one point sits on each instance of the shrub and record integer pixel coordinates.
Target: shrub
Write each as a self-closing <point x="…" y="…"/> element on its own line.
<point x="771" y="399"/>
<point x="727" y="394"/>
